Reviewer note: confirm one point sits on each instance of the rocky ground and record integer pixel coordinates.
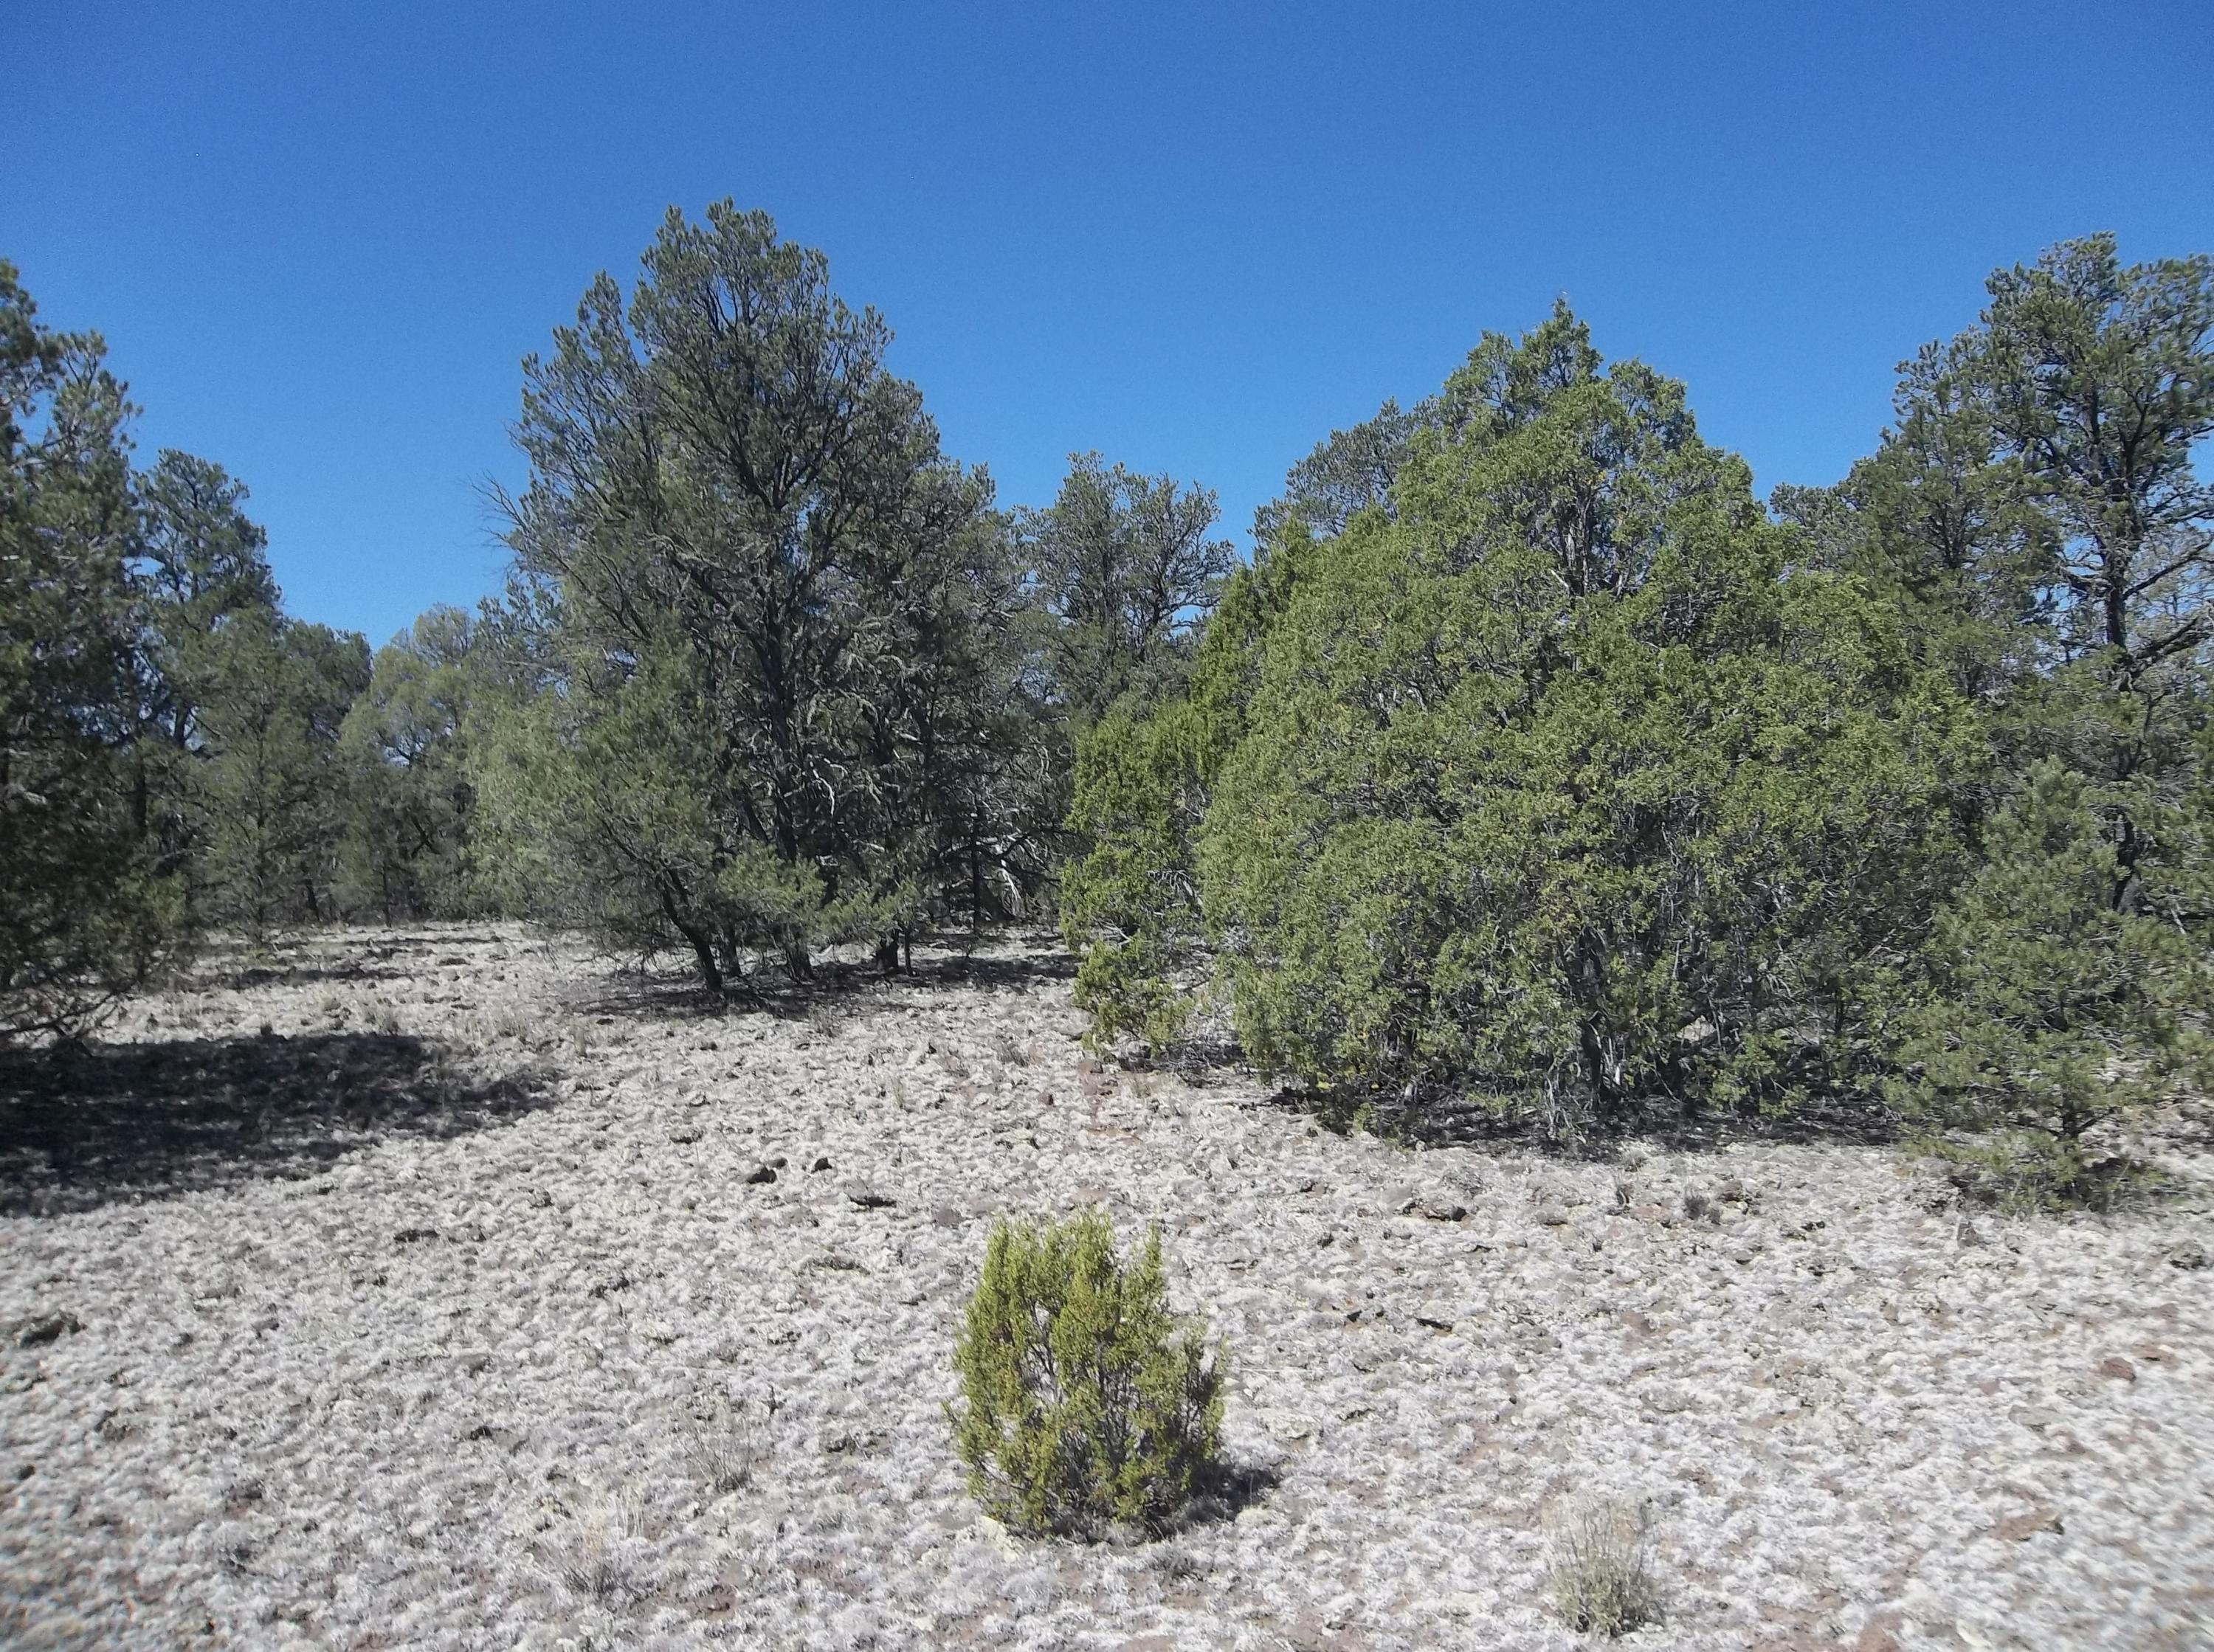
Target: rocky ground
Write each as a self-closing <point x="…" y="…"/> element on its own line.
<point x="426" y="1288"/>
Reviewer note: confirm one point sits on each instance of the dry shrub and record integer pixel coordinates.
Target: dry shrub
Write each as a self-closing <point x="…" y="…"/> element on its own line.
<point x="1601" y="1575"/>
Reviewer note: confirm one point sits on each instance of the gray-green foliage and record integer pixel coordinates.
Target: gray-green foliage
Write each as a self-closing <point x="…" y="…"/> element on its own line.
<point x="1083" y="1404"/>
<point x="408" y="846"/>
<point x="84" y="907"/>
<point x="777" y="701"/>
<point x="270" y="786"/>
<point x="1549" y="780"/>
<point x="1125" y="571"/>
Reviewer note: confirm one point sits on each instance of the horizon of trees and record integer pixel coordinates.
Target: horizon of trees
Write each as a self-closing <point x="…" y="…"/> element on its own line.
<point x="1530" y="758"/>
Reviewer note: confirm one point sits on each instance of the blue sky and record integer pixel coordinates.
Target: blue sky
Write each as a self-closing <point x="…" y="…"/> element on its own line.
<point x="320" y="238"/>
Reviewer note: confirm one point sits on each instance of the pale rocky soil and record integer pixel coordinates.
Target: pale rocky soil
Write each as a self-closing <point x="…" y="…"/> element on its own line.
<point x="366" y="1350"/>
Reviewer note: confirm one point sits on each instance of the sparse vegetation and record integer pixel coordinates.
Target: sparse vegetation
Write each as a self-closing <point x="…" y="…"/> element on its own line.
<point x="1084" y="1404"/>
<point x="1601" y="1574"/>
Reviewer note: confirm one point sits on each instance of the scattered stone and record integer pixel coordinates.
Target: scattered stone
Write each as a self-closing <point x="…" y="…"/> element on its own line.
<point x="685" y="1135"/>
<point x="945" y="1216"/>
<point x="866" y="1198"/>
<point x="821" y="1163"/>
<point x="42" y="1328"/>
<point x="2015" y="1528"/>
<point x="413" y="1235"/>
<point x="2115" y="1368"/>
<point x="760" y="1175"/>
<point x="2188" y="1255"/>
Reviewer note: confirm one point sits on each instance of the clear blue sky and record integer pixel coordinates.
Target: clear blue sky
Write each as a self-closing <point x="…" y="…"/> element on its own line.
<point x="320" y="237"/>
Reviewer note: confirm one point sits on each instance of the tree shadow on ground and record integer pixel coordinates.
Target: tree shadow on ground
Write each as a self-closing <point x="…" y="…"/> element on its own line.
<point x="312" y="957"/>
<point x="839" y="990"/>
<point x="1225" y="1491"/>
<point x="1439" y="1118"/>
<point x="85" y="1128"/>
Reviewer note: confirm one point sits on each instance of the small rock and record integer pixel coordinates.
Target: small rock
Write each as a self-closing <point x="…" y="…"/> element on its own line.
<point x="1436" y="1207"/>
<point x="413" y="1235"/>
<point x="761" y="1173"/>
<point x="1552" y="1216"/>
<point x="43" y="1328"/>
<point x="2117" y="1368"/>
<point x="821" y="1163"/>
<point x="2189" y="1255"/>
<point x="684" y="1135"/>
<point x="2016" y="1528"/>
<point x="867" y="1198"/>
<point x="945" y="1216"/>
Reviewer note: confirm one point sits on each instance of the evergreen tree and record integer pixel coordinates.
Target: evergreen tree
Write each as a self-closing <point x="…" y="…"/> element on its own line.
<point x="2062" y="987"/>
<point x="83" y="911"/>
<point x="770" y="618"/>
<point x="407" y="847"/>
<point x="271" y="790"/>
<point x="1551" y="781"/>
<point x="1123" y="566"/>
<point x="202" y="563"/>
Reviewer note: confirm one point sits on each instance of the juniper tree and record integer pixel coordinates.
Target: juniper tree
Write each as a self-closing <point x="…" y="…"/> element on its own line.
<point x="82" y="909"/>
<point x="1552" y="782"/>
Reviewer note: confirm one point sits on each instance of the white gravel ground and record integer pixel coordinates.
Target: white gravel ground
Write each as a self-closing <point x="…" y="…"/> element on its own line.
<point x="361" y="1349"/>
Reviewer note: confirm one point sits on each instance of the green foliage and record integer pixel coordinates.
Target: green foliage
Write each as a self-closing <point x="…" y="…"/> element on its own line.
<point x="1548" y="781"/>
<point x="85" y="908"/>
<point x="1085" y="1404"/>
<point x="776" y="698"/>
<point x="1123" y="565"/>
<point x="408" y="846"/>
<point x="270" y="787"/>
<point x="2059" y="998"/>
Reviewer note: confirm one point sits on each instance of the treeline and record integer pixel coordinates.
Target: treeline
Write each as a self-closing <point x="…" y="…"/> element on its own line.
<point x="178" y="755"/>
<point x="1532" y="758"/>
<point x="771" y="672"/>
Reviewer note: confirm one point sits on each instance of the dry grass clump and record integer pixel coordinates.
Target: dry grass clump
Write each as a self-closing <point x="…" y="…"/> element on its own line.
<point x="722" y="1455"/>
<point x="514" y="1020"/>
<point x="1601" y="1575"/>
<point x="599" y="1558"/>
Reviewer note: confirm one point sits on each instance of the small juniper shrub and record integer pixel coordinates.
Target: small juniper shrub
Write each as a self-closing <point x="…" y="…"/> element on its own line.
<point x="1085" y="1406"/>
<point x="1601" y="1577"/>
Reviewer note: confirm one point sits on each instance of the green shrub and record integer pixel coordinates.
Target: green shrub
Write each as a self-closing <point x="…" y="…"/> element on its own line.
<point x="1085" y="1404"/>
<point x="2061" y="1001"/>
